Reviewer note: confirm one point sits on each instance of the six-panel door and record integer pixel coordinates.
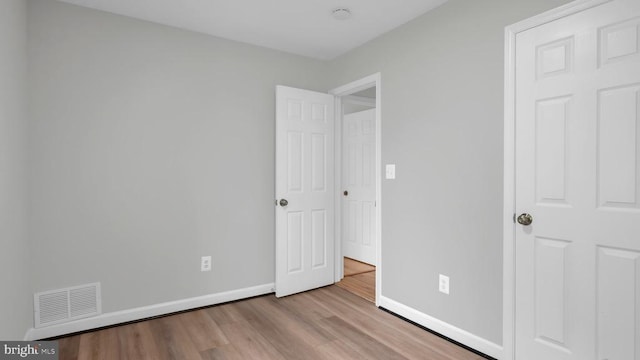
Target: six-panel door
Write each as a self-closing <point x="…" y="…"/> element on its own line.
<point x="305" y="179"/>
<point x="358" y="174"/>
<point x="578" y="175"/>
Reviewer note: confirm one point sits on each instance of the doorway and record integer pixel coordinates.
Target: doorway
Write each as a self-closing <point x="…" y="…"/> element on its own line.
<point x="358" y="183"/>
<point x="358" y="178"/>
<point x="358" y="193"/>
<point x="359" y="279"/>
<point x="308" y="194"/>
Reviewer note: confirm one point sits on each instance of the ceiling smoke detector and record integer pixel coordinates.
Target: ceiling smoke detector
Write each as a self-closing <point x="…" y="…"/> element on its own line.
<point x="341" y="13"/>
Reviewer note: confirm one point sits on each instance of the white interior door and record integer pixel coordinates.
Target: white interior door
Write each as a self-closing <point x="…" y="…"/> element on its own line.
<point x="577" y="165"/>
<point x="304" y="190"/>
<point x="359" y="186"/>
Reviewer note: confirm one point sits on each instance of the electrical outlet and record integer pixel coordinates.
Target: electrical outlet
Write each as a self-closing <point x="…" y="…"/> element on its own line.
<point x="205" y="263"/>
<point x="443" y="284"/>
<point x="390" y="171"/>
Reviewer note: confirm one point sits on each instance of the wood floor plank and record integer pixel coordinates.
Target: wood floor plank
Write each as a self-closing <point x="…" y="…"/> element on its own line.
<point x="363" y="285"/>
<point x="249" y="343"/>
<point x="223" y="352"/>
<point x="280" y="333"/>
<point x="337" y="349"/>
<point x="374" y="323"/>
<point x="354" y="267"/>
<point x="299" y="305"/>
<point x="224" y="314"/>
<point x="358" y="340"/>
<point x="99" y="345"/>
<point x="297" y="323"/>
<point x="402" y="336"/>
<point x="172" y="339"/>
<point x="137" y="342"/>
<point x="326" y="323"/>
<point x="202" y="329"/>
<point x="70" y="347"/>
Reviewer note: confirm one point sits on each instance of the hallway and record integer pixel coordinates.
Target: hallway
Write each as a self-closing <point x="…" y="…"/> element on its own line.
<point x="359" y="279"/>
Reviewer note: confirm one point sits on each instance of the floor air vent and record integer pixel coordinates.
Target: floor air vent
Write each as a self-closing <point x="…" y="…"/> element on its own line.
<point x="64" y="305"/>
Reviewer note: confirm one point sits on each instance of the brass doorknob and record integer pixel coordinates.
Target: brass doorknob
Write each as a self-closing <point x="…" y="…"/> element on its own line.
<point x="284" y="202"/>
<point x="345" y="193"/>
<point x="525" y="219"/>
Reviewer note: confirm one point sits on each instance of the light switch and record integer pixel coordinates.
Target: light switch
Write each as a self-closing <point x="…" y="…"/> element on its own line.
<point x="390" y="171"/>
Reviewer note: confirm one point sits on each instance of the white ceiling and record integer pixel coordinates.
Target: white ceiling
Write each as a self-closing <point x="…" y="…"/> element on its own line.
<point x="303" y="27"/>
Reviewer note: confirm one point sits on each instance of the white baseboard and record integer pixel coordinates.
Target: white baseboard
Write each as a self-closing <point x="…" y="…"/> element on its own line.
<point x="464" y="337"/>
<point x="144" y="312"/>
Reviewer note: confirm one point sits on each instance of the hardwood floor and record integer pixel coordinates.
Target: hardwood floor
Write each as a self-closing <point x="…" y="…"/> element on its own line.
<point x="363" y="285"/>
<point x="327" y="323"/>
<point x="355" y="267"/>
<point x="359" y="278"/>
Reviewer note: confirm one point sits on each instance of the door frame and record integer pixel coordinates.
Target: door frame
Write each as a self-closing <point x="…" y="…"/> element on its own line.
<point x="509" y="209"/>
<point x="370" y="81"/>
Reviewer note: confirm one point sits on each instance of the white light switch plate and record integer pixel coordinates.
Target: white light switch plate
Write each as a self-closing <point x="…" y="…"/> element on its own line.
<point x="390" y="171"/>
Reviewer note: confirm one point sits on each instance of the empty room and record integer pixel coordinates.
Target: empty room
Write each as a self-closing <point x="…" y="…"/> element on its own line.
<point x="424" y="179"/>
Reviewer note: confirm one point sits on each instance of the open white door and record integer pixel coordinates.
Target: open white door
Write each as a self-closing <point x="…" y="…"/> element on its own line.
<point x="359" y="186"/>
<point x="304" y="190"/>
<point x="577" y="162"/>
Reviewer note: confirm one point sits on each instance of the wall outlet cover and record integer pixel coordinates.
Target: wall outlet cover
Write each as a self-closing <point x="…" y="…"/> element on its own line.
<point x="205" y="263"/>
<point x="390" y="171"/>
<point x="443" y="284"/>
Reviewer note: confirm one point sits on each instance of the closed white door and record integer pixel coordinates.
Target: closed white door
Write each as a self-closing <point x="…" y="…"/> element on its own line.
<point x="304" y="190"/>
<point x="578" y="177"/>
<point x="359" y="187"/>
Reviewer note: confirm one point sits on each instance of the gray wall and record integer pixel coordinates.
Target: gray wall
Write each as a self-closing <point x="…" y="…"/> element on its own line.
<point x="15" y="299"/>
<point x="150" y="147"/>
<point x="442" y="118"/>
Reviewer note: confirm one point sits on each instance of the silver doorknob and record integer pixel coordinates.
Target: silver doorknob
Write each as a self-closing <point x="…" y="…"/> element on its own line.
<point x="525" y="219"/>
<point x="284" y="202"/>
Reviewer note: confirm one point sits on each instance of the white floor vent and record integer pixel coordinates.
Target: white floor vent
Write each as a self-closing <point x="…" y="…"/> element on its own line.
<point x="64" y="305"/>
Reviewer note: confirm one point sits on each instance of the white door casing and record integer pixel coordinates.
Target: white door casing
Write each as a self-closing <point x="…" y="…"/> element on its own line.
<point x="576" y="268"/>
<point x="375" y="81"/>
<point x="358" y="181"/>
<point x="305" y="179"/>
